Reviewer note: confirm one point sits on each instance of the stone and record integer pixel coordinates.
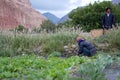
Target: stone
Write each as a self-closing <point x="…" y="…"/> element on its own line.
<point x="73" y="46"/>
<point x="19" y="12"/>
<point x="65" y="47"/>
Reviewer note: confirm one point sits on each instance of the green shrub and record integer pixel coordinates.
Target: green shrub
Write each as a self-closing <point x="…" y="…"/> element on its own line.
<point x="55" y="54"/>
<point x="21" y="28"/>
<point x="48" y="26"/>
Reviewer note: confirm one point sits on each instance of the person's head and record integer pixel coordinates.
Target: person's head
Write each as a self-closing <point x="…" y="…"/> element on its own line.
<point x="79" y="38"/>
<point x="108" y="10"/>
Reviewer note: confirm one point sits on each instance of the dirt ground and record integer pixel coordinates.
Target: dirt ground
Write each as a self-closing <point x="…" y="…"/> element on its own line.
<point x="113" y="71"/>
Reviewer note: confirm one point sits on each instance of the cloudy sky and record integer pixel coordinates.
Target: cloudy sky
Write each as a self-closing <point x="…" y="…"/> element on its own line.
<point x="59" y="7"/>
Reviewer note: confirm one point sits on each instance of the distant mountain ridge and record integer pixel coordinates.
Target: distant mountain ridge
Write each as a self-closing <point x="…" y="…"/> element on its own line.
<point x="63" y="19"/>
<point x="55" y="19"/>
<point x="51" y="17"/>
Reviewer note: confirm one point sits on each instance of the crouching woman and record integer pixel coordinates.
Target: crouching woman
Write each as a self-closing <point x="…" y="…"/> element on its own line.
<point x="85" y="47"/>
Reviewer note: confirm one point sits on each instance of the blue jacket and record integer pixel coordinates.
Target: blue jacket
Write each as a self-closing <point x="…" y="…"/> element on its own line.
<point x="86" y="44"/>
<point x="108" y="21"/>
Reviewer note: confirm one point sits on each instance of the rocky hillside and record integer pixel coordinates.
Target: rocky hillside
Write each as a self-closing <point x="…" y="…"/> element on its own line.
<point x="19" y="12"/>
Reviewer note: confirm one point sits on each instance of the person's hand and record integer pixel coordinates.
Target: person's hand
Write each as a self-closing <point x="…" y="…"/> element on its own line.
<point x="79" y="54"/>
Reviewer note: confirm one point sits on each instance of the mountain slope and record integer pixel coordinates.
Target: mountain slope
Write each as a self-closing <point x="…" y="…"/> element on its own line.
<point x="63" y="19"/>
<point x="51" y="17"/>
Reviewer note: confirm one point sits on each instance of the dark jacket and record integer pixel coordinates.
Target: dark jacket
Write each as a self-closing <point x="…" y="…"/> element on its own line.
<point x="83" y="44"/>
<point x="108" y="21"/>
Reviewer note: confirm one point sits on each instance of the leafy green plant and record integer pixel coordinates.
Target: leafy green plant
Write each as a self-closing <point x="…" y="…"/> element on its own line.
<point x="93" y="69"/>
<point x="55" y="54"/>
<point x="53" y="68"/>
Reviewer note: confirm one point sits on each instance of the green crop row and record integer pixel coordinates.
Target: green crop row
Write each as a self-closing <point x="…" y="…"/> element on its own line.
<point x="32" y="67"/>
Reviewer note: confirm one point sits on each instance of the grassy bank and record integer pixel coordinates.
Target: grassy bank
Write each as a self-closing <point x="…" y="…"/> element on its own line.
<point x="110" y="41"/>
<point x="12" y="44"/>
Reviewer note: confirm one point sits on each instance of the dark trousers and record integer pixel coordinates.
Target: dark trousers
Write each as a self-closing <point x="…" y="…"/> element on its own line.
<point x="86" y="52"/>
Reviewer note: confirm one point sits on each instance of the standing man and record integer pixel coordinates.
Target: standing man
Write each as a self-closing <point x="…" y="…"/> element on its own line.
<point x="108" y="20"/>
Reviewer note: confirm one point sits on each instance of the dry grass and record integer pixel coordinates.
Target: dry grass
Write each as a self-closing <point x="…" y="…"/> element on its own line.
<point x="19" y="43"/>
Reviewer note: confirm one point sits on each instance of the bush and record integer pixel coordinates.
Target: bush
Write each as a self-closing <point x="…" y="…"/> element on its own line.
<point x="48" y="26"/>
<point x="21" y="28"/>
<point x="55" y="54"/>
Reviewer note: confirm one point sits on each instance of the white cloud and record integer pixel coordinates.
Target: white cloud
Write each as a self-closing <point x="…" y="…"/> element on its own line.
<point x="86" y="2"/>
<point x="75" y="3"/>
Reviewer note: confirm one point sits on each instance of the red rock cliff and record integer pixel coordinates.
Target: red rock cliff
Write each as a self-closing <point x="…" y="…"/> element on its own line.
<point x="19" y="12"/>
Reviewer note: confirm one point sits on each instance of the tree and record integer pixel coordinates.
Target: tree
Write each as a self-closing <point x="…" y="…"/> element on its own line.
<point x="48" y="26"/>
<point x="21" y="28"/>
<point x="117" y="13"/>
<point x="66" y="24"/>
<point x="90" y="17"/>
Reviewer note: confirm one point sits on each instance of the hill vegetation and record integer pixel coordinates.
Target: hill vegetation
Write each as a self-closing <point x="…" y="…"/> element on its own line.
<point x="90" y="17"/>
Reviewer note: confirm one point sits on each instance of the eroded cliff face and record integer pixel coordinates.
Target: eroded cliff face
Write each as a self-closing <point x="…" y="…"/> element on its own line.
<point x="19" y="12"/>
